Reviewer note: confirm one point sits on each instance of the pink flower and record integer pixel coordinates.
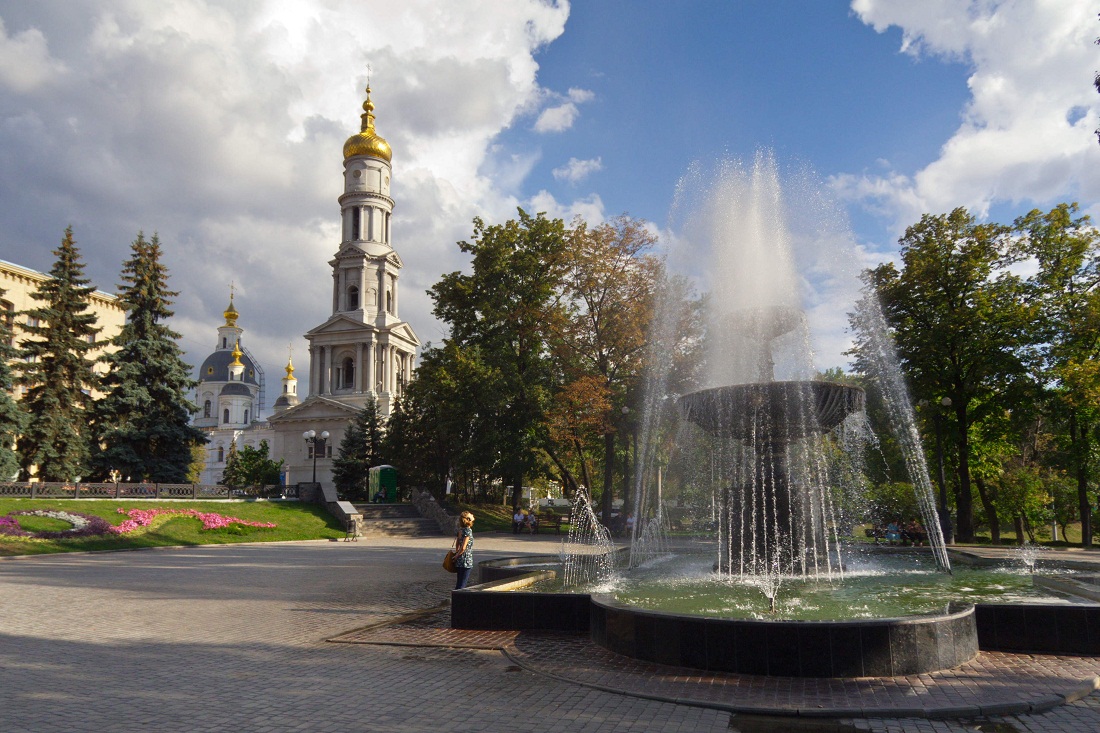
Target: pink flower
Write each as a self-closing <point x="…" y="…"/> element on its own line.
<point x="210" y="520"/>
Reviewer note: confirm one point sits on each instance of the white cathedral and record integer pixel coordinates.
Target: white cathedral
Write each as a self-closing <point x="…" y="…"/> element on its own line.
<point x="363" y="350"/>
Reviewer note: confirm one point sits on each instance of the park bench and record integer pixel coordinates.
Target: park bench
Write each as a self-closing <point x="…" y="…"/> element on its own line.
<point x="550" y="520"/>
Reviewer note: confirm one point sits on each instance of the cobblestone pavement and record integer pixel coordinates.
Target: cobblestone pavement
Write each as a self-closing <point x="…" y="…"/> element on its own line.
<point x="233" y="638"/>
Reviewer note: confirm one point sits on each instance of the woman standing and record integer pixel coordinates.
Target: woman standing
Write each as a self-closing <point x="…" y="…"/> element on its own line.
<point x="464" y="544"/>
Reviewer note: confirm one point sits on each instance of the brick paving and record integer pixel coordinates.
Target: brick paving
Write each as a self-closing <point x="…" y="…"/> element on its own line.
<point x="234" y="638"/>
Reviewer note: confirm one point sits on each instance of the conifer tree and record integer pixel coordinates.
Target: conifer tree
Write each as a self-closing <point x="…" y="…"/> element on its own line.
<point x="231" y="474"/>
<point x="57" y="371"/>
<point x="11" y="416"/>
<point x="359" y="450"/>
<point x="144" y="420"/>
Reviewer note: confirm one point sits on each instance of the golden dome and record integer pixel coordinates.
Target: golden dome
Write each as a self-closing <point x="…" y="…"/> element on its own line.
<point x="289" y="369"/>
<point x="231" y="313"/>
<point x="237" y="354"/>
<point x="367" y="141"/>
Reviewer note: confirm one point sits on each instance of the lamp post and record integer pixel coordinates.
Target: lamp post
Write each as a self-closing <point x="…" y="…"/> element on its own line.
<point x="946" y="527"/>
<point x="317" y="443"/>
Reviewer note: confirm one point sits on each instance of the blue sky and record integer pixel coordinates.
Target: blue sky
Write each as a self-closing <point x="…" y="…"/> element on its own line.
<point x="219" y="124"/>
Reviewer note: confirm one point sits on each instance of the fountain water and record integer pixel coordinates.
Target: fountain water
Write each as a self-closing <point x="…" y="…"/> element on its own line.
<point x="588" y="555"/>
<point x="1028" y="555"/>
<point x="767" y="427"/>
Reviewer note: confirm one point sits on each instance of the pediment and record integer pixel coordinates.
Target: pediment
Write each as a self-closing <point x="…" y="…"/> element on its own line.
<point x="339" y="324"/>
<point x="315" y="408"/>
<point x="404" y="330"/>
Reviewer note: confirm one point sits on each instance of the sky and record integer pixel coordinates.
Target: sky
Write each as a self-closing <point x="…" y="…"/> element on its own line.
<point x="219" y="125"/>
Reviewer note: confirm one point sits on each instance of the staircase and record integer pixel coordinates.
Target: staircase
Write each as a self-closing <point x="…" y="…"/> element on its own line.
<point x="395" y="520"/>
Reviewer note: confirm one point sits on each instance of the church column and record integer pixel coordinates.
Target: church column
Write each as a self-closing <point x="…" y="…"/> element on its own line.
<point x="359" y="367"/>
<point x="368" y="367"/>
<point x="314" y="371"/>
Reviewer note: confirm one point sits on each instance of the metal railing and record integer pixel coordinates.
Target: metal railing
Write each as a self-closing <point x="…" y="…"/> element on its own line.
<point x="52" y="490"/>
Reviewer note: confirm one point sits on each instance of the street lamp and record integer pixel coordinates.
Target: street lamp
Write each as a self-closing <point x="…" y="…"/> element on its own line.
<point x="317" y="443"/>
<point x="945" y="519"/>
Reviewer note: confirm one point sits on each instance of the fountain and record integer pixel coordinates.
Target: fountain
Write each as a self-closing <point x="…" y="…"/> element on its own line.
<point x="771" y="442"/>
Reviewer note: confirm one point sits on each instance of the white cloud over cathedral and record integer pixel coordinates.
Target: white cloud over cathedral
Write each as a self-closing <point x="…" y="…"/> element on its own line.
<point x="220" y="125"/>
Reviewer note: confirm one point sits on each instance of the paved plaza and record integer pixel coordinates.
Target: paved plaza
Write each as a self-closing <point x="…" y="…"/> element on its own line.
<point x="221" y="638"/>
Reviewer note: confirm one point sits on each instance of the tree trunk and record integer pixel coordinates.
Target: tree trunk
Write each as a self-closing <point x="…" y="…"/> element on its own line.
<point x="990" y="510"/>
<point x="1018" y="520"/>
<point x="1078" y="435"/>
<point x="964" y="531"/>
<point x="608" y="477"/>
<point x="517" y="490"/>
<point x="584" y="467"/>
<point x="568" y="483"/>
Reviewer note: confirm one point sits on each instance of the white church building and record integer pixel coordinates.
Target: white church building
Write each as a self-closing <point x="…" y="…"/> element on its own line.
<point x="362" y="350"/>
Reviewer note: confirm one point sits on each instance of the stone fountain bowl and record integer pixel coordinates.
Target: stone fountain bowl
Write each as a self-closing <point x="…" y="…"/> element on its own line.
<point x="772" y="412"/>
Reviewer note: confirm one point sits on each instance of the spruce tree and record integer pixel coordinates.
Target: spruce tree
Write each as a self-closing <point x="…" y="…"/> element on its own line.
<point x="144" y="420"/>
<point x="359" y="450"/>
<point x="11" y="416"/>
<point x="57" y="371"/>
<point x="231" y="476"/>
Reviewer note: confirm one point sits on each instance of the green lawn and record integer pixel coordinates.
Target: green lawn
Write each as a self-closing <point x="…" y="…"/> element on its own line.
<point x="293" y="520"/>
<point x="495" y="517"/>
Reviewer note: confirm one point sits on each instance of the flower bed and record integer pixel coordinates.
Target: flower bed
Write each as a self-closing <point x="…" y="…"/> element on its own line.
<point x="210" y="520"/>
<point x="83" y="525"/>
<point x="87" y="525"/>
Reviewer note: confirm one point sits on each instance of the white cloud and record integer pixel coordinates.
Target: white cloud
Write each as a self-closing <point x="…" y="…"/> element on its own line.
<point x="576" y="171"/>
<point x="562" y="116"/>
<point x="220" y="125"/>
<point x="25" y="61"/>
<point x="1027" y="132"/>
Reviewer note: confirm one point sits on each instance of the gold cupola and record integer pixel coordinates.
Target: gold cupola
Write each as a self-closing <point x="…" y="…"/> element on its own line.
<point x="231" y="313"/>
<point x="237" y="354"/>
<point x="289" y="368"/>
<point x="367" y="141"/>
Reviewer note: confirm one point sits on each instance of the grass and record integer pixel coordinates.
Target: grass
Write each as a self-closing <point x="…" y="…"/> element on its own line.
<point x="494" y="517"/>
<point x="293" y="520"/>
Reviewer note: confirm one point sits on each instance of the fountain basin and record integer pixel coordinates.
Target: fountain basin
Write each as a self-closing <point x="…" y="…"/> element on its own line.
<point x="866" y="648"/>
<point x="772" y="412"/>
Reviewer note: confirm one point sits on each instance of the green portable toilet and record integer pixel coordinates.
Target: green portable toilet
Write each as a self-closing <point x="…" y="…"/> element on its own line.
<point x="383" y="478"/>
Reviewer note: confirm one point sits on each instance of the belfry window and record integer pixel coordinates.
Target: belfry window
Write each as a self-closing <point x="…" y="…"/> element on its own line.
<point x="246" y="416"/>
<point x="206" y="409"/>
<point x="348" y="373"/>
<point x="353" y="297"/>
<point x="225" y="416"/>
<point x="389" y="302"/>
<point x="355" y="217"/>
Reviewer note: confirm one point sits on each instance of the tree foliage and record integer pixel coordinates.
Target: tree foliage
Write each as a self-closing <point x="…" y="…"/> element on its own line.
<point x="1016" y="357"/>
<point x="360" y="449"/>
<point x="57" y="371"/>
<point x="143" y="420"/>
<point x="250" y="466"/>
<point x="11" y="415"/>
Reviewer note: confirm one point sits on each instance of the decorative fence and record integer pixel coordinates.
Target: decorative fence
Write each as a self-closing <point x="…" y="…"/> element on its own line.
<point x="50" y="490"/>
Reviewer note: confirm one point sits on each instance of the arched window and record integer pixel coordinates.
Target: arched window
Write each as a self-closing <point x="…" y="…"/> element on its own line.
<point x="348" y="372"/>
<point x="221" y="454"/>
<point x="355" y="219"/>
<point x="389" y="302"/>
<point x="223" y="343"/>
<point x="225" y="416"/>
<point x="246" y="417"/>
<point x="353" y="298"/>
<point x="206" y="409"/>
